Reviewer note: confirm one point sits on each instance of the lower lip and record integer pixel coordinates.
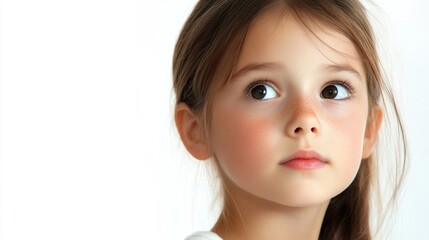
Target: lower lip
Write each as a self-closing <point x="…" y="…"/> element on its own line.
<point x="304" y="164"/>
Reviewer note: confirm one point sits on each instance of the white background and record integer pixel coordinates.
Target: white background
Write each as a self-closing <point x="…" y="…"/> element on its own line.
<point x="88" y="148"/>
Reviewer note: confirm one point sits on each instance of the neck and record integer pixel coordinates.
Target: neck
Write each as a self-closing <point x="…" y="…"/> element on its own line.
<point x="252" y="218"/>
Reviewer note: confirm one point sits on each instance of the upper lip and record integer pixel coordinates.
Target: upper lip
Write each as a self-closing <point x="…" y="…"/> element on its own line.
<point x="305" y="154"/>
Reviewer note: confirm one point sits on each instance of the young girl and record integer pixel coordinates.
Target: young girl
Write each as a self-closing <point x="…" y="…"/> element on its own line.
<point x="283" y="97"/>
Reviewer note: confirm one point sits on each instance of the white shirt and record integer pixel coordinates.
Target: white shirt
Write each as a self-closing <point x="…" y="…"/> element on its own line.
<point x="203" y="235"/>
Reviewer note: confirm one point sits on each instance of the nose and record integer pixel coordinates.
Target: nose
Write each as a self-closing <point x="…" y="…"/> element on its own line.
<point x="303" y="121"/>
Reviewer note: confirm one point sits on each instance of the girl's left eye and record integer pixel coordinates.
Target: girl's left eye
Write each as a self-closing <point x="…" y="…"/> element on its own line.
<point x="332" y="91"/>
<point x="261" y="90"/>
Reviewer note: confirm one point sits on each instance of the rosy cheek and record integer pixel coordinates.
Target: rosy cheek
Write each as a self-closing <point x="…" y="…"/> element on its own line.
<point x="245" y="143"/>
<point x="347" y="137"/>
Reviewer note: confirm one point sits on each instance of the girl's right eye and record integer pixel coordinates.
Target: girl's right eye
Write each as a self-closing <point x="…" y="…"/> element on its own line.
<point x="261" y="90"/>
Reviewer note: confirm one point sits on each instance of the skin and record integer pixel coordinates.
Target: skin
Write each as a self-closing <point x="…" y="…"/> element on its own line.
<point x="251" y="137"/>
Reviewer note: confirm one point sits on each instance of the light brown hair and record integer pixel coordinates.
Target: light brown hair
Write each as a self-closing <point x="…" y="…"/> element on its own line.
<point x="205" y="56"/>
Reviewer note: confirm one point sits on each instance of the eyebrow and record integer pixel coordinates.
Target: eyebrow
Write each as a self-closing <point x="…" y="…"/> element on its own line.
<point x="257" y="67"/>
<point x="344" y="67"/>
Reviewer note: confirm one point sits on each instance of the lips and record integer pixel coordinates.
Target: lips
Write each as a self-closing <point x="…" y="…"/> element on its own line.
<point x="304" y="160"/>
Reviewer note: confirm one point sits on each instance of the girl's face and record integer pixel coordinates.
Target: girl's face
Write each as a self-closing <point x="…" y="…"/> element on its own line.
<point x="301" y="105"/>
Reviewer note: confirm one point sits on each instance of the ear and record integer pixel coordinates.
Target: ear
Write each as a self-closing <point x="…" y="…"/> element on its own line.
<point x="372" y="130"/>
<point x="190" y="130"/>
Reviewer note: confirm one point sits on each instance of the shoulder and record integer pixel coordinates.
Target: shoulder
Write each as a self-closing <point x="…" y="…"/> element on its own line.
<point x="203" y="235"/>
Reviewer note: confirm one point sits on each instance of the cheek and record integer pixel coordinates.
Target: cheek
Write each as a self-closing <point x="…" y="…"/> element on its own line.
<point x="244" y="144"/>
<point x="347" y="137"/>
<point x="350" y="131"/>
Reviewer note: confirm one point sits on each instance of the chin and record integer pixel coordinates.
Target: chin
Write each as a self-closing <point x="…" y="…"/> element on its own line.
<point x="304" y="199"/>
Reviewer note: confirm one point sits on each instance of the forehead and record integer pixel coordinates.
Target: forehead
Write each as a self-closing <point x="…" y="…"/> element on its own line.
<point x="276" y="35"/>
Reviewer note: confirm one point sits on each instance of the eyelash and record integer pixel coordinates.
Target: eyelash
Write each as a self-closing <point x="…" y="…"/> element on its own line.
<point x="345" y="83"/>
<point x="253" y="84"/>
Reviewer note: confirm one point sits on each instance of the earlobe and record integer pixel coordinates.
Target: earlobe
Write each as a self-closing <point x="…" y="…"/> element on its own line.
<point x="190" y="131"/>
<point x="372" y="132"/>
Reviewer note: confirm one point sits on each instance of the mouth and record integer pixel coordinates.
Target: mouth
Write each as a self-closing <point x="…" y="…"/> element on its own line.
<point x="305" y="160"/>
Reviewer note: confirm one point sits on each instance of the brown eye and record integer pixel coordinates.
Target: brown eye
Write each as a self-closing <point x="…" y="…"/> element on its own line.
<point x="332" y="91"/>
<point x="260" y="91"/>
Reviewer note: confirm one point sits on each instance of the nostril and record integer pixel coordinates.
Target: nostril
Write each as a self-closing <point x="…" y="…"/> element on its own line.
<point x="313" y="129"/>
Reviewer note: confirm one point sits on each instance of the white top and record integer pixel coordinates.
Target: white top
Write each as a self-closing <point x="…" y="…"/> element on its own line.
<point x="203" y="235"/>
